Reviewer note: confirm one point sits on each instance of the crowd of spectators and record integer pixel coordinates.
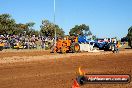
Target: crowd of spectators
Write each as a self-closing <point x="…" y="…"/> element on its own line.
<point x="25" y="41"/>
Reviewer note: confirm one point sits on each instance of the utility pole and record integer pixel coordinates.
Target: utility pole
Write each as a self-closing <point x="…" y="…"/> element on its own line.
<point x="54" y="22"/>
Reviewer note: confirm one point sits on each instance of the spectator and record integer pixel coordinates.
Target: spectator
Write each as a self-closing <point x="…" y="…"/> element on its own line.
<point x="115" y="47"/>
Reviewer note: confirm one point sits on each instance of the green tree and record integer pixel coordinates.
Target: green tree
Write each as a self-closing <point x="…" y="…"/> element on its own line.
<point x="7" y="24"/>
<point x="29" y="28"/>
<point x="80" y="30"/>
<point x="30" y="24"/>
<point x="129" y="35"/>
<point x="48" y="29"/>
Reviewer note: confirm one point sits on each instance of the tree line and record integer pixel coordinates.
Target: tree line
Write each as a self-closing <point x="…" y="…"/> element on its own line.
<point x="9" y="26"/>
<point x="129" y="36"/>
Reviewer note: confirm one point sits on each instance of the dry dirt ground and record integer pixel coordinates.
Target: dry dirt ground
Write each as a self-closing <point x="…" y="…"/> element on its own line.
<point x="41" y="69"/>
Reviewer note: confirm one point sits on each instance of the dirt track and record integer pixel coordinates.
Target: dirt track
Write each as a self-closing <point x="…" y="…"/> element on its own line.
<point x="40" y="69"/>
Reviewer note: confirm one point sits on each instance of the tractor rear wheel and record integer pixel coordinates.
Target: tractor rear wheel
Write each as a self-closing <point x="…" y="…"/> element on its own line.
<point x="75" y="47"/>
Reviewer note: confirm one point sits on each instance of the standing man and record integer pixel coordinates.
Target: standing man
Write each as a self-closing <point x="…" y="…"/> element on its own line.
<point x="115" y="48"/>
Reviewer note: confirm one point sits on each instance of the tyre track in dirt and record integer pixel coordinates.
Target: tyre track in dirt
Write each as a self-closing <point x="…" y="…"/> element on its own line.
<point x="59" y="71"/>
<point x="14" y="57"/>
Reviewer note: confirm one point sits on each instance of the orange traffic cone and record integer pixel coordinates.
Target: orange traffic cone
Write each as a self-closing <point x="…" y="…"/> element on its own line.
<point x="75" y="84"/>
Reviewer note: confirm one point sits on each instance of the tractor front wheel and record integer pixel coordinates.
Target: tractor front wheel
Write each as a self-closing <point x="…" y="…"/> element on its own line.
<point x="53" y="49"/>
<point x="63" y="49"/>
<point x="1" y="48"/>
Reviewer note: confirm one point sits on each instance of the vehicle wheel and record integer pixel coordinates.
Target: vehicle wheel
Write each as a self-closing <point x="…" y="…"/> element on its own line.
<point x="54" y="50"/>
<point x="63" y="49"/>
<point x="1" y="48"/>
<point x="75" y="47"/>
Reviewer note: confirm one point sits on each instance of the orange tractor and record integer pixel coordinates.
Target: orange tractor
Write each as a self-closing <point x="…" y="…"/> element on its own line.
<point x="66" y="45"/>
